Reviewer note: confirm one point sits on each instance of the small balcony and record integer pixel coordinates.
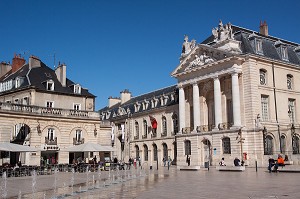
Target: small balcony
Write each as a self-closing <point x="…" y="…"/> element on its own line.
<point x="144" y="136"/>
<point x="78" y="142"/>
<point x="136" y="137"/>
<point x="51" y="141"/>
<point x="205" y="128"/>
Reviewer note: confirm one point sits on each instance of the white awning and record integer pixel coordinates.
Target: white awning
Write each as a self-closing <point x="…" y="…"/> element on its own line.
<point x="7" y="146"/>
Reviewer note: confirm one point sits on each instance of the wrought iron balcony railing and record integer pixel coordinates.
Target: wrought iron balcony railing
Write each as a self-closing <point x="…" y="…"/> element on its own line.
<point x="78" y="142"/>
<point x="51" y="141"/>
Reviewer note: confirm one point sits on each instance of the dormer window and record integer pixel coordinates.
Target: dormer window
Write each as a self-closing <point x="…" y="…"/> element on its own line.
<point x="18" y="82"/>
<point x="50" y="85"/>
<point x="258" y="46"/>
<point x="77" y="89"/>
<point x="282" y="50"/>
<point x="284" y="53"/>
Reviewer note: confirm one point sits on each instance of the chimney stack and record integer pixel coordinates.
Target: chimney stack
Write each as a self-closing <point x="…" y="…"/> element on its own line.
<point x="61" y="74"/>
<point x="263" y="28"/>
<point x="4" y="68"/>
<point x="125" y="96"/>
<point x="17" y="63"/>
<point x="34" y="62"/>
<point x="113" y="101"/>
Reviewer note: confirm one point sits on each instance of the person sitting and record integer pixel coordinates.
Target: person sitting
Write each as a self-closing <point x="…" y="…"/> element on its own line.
<point x="279" y="162"/>
<point x="236" y="162"/>
<point x="271" y="164"/>
<point x="222" y="162"/>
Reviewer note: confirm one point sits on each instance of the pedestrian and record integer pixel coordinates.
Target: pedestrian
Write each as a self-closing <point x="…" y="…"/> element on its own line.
<point x="188" y="160"/>
<point x="134" y="162"/>
<point x="169" y="161"/>
<point x="95" y="160"/>
<point x="222" y="162"/>
<point x="139" y="161"/>
<point x="164" y="161"/>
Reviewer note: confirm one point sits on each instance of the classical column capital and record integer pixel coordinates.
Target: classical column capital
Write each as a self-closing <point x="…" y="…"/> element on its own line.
<point x="215" y="77"/>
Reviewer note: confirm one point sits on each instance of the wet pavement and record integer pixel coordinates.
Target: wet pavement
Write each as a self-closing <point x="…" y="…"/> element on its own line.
<point x="161" y="183"/>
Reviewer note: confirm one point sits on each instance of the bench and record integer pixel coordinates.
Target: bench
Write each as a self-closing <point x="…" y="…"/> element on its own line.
<point x="230" y="168"/>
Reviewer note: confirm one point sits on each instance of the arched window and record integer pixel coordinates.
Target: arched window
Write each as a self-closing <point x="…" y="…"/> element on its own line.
<point x="137" y="152"/>
<point x="268" y="145"/>
<point x="145" y="153"/>
<point x="295" y="143"/>
<point x="145" y="126"/>
<point x="187" y="147"/>
<point x="226" y="145"/>
<point x="78" y="135"/>
<point x="262" y="77"/>
<point x="155" y="152"/>
<point x="51" y="134"/>
<point x="282" y="144"/>
<point x="165" y="150"/>
<point x="175" y="123"/>
<point x="289" y="79"/>
<point x="164" y="125"/>
<point x="136" y="129"/>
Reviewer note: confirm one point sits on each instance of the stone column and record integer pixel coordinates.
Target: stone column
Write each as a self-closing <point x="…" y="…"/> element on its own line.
<point x="217" y="100"/>
<point x="181" y="109"/>
<point x="236" y="100"/>
<point x="196" y="106"/>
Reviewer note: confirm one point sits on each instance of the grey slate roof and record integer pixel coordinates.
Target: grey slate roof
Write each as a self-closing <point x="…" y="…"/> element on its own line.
<point x="269" y="49"/>
<point x="35" y="77"/>
<point x="129" y="105"/>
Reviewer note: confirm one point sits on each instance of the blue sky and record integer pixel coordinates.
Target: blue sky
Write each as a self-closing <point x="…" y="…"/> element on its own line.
<point x="109" y="46"/>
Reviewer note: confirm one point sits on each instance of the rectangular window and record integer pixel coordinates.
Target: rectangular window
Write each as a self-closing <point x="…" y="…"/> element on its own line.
<point x="291" y="110"/>
<point x="16" y="101"/>
<point x="265" y="107"/>
<point x="77" y="107"/>
<point x="78" y="135"/>
<point x="49" y="104"/>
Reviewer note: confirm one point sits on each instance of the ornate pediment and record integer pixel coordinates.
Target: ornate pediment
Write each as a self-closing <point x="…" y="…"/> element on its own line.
<point x="199" y="60"/>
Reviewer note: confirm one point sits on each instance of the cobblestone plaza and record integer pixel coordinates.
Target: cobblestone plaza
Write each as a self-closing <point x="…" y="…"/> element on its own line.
<point x="161" y="183"/>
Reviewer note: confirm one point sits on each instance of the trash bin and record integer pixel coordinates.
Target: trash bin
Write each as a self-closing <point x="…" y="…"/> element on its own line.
<point x="206" y="165"/>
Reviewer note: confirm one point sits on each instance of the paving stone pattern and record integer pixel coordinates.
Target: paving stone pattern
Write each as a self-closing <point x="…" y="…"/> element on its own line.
<point x="162" y="183"/>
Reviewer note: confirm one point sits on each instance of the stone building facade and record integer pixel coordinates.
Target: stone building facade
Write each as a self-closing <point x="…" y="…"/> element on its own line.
<point x="41" y="108"/>
<point x="237" y="96"/>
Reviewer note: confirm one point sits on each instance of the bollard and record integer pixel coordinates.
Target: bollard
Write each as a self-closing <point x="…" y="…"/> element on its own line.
<point x="168" y="165"/>
<point x="157" y="164"/>
<point x="256" y="165"/>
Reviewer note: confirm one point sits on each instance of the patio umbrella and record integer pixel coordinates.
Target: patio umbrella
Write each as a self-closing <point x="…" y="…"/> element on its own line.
<point x="89" y="147"/>
<point x="7" y="146"/>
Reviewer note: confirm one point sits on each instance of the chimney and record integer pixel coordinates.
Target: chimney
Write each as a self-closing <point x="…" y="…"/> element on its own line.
<point x="61" y="74"/>
<point x="34" y="62"/>
<point x="125" y="96"/>
<point x="4" y="68"/>
<point x="17" y="63"/>
<point x="113" y="101"/>
<point x="263" y="28"/>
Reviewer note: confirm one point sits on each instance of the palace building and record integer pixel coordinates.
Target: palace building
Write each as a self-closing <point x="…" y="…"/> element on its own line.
<point x="236" y="96"/>
<point x="42" y="108"/>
